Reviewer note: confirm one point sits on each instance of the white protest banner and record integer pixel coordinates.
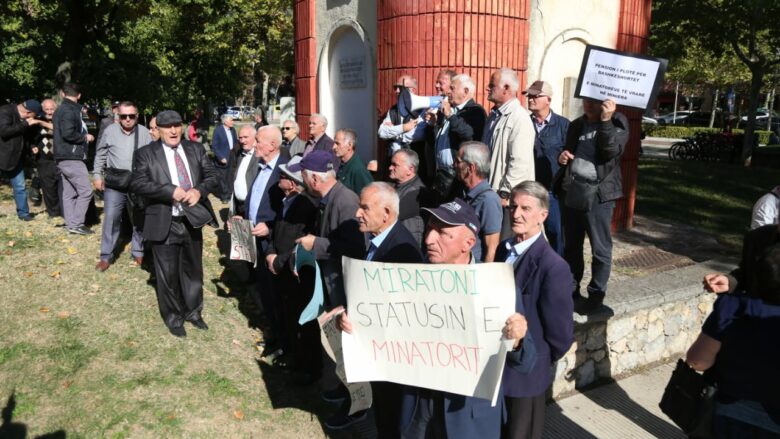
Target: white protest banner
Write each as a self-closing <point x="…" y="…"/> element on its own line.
<point x="433" y="326"/>
<point x="330" y="335"/>
<point x="242" y="243"/>
<point x="629" y="79"/>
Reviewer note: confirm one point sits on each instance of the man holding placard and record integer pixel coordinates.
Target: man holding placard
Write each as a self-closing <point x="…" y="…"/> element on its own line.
<point x="591" y="183"/>
<point x="425" y="412"/>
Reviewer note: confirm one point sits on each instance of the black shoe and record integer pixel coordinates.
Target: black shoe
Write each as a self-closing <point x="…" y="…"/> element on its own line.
<point x="335" y="396"/>
<point x="26" y="218"/>
<point x="80" y="231"/>
<point x="200" y="324"/>
<point x="589" y="306"/>
<point x="178" y="331"/>
<point x="342" y="420"/>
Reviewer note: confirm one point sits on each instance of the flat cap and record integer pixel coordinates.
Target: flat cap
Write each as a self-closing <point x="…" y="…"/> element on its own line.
<point x="168" y="118"/>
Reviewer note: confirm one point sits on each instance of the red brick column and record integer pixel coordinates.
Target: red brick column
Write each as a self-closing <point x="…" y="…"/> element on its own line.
<point x="305" y="64"/>
<point x="633" y="31"/>
<point x="473" y="37"/>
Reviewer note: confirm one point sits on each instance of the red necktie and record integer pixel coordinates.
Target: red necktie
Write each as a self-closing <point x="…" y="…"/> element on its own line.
<point x="184" y="178"/>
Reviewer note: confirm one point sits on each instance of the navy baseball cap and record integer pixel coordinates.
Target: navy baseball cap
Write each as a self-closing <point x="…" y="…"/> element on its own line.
<point x="317" y="161"/>
<point x="456" y="213"/>
<point x="34" y="106"/>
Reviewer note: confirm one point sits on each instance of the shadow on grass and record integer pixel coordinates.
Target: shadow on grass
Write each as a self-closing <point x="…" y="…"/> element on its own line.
<point x="17" y="430"/>
<point x="284" y="393"/>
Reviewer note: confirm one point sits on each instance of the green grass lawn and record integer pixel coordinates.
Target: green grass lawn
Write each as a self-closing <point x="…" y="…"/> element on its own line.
<point x="716" y="197"/>
<point x="86" y="353"/>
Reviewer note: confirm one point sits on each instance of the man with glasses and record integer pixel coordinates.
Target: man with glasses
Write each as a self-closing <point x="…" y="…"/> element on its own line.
<point x="176" y="176"/>
<point x="290" y="140"/>
<point x="398" y="130"/>
<point x="550" y="139"/>
<point x="115" y="149"/>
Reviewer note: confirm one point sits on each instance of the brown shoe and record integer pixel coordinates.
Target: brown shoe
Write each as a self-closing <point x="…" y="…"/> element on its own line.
<point x="102" y="265"/>
<point x="138" y="260"/>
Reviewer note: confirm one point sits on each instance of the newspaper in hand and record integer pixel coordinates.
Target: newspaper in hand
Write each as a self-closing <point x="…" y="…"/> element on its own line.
<point x="242" y="243"/>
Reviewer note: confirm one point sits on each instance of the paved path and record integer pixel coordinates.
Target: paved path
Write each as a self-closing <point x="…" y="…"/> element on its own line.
<point x="622" y="410"/>
<point x="657" y="147"/>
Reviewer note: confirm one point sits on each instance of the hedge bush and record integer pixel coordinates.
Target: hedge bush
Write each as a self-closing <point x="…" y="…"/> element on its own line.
<point x="681" y="131"/>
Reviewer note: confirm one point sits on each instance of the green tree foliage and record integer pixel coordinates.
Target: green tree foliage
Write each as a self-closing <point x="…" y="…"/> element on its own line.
<point x="748" y="29"/>
<point x="160" y="53"/>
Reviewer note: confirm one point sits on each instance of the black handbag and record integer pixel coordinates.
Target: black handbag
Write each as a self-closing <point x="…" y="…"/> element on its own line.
<point x="119" y="179"/>
<point x="689" y="401"/>
<point x="580" y="193"/>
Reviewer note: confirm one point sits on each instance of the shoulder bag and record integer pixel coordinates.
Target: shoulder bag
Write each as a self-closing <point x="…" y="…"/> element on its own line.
<point x="119" y="179"/>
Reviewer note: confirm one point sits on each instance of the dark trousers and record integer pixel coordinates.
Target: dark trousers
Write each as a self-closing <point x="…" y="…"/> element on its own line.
<point x="552" y="225"/>
<point x="50" y="185"/>
<point x="428" y="418"/>
<point x="267" y="297"/>
<point x="525" y="417"/>
<point x="302" y="341"/>
<point x="178" y="263"/>
<point x="225" y="186"/>
<point x="597" y="224"/>
<point x="387" y="408"/>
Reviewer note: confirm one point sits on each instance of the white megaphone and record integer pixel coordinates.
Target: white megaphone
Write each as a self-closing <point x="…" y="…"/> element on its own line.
<point x="409" y="102"/>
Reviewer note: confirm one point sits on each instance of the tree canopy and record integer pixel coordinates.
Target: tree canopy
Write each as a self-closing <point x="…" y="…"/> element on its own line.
<point x="746" y="30"/>
<point x="160" y="53"/>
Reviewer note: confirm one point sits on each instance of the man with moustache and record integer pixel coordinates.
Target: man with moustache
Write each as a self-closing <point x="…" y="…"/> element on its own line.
<point x="412" y="192"/>
<point x="176" y="176"/>
<point x="352" y="172"/>
<point x="116" y="149"/>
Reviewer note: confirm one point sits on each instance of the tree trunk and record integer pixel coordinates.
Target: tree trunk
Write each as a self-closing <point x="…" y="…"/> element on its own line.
<point x="757" y="72"/>
<point x="714" y="107"/>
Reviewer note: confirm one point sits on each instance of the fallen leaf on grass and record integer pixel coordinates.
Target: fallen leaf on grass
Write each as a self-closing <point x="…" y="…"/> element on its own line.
<point x="171" y="417"/>
<point x="66" y="384"/>
<point x="11" y="243"/>
<point x="238" y="414"/>
<point x="236" y="342"/>
<point x="95" y="287"/>
<point x="72" y="250"/>
<point x="65" y="241"/>
<point x="55" y="274"/>
<point x="43" y="309"/>
<point x="28" y="273"/>
<point x="63" y="314"/>
<point x="60" y="262"/>
<point x="28" y="234"/>
<point x="132" y="343"/>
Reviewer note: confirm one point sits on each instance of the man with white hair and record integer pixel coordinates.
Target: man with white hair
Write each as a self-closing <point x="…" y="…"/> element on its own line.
<point x="222" y="142"/>
<point x="509" y="134"/>
<point x="263" y="206"/>
<point x="243" y="169"/>
<point x="460" y="119"/>
<point x="291" y="142"/>
<point x="411" y="191"/>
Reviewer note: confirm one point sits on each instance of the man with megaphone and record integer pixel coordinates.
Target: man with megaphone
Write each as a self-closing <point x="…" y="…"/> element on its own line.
<point x="402" y="127"/>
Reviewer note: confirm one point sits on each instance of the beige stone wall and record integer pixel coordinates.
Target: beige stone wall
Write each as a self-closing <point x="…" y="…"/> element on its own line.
<point x="627" y="342"/>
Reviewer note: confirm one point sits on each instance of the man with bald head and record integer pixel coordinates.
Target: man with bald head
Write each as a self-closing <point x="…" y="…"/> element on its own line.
<point x="43" y="151"/>
<point x="263" y="206"/>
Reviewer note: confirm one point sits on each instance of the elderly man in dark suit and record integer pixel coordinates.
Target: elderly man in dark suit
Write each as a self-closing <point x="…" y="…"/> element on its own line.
<point x="243" y="169"/>
<point x="542" y="281"/>
<point x="222" y="143"/>
<point x="263" y="207"/>
<point x="15" y="119"/>
<point x="318" y="139"/>
<point x="299" y="211"/>
<point x="175" y="176"/>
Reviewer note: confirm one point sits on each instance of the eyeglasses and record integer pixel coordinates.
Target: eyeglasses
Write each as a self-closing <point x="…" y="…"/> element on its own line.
<point x="128" y="116"/>
<point x="286" y="128"/>
<point x="536" y="96"/>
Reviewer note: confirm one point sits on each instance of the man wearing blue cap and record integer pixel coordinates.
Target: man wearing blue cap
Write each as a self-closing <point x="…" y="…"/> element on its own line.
<point x="15" y="119"/>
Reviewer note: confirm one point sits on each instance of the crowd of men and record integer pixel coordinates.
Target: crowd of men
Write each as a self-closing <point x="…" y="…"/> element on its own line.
<point x="464" y="186"/>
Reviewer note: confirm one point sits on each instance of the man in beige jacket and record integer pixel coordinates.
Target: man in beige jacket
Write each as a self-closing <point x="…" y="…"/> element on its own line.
<point x="509" y="133"/>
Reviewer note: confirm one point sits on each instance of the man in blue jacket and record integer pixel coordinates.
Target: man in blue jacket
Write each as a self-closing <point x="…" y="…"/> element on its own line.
<point x="542" y="282"/>
<point x="223" y="141"/>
